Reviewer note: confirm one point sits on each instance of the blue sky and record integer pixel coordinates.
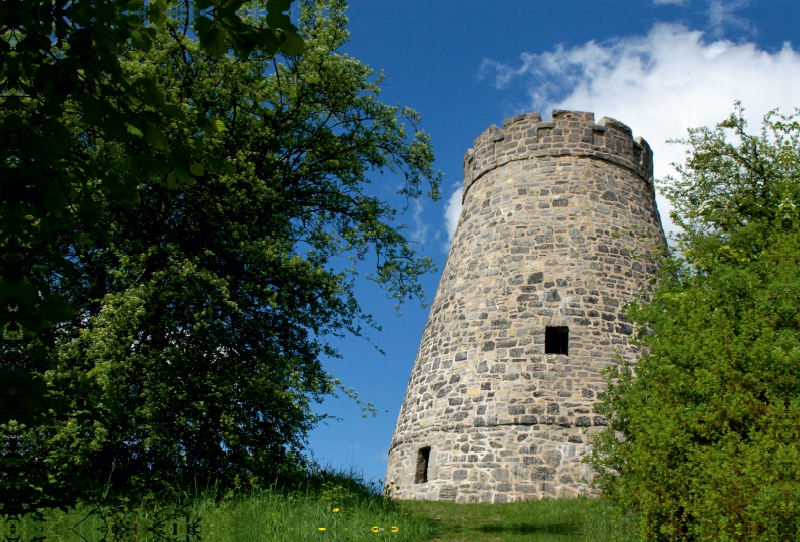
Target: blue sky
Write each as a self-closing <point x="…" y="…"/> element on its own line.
<point x="659" y="66"/>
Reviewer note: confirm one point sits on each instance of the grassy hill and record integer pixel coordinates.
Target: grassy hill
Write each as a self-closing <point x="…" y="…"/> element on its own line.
<point x="333" y="507"/>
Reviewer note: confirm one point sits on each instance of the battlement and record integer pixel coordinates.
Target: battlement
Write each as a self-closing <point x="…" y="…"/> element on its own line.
<point x="570" y="133"/>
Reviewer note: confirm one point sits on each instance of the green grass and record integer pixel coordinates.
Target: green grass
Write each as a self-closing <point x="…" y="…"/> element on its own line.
<point x="549" y="520"/>
<point x="334" y="507"/>
<point x="267" y="516"/>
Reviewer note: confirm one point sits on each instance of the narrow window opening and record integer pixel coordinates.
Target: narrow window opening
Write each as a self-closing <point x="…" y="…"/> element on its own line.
<point x="421" y="476"/>
<point x="556" y="340"/>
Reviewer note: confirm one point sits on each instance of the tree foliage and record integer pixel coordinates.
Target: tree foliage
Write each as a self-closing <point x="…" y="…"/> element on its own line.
<point x="703" y="438"/>
<point x="194" y="351"/>
<point x="62" y="85"/>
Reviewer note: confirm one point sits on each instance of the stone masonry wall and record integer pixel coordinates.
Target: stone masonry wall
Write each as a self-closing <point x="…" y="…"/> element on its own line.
<point x="557" y="221"/>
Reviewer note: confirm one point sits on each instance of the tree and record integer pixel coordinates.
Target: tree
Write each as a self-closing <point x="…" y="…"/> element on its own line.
<point x="194" y="353"/>
<point x="62" y="84"/>
<point x="703" y="437"/>
<point x="63" y="59"/>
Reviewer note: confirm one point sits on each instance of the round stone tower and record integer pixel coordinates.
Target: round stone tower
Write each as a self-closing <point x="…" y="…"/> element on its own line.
<point x="556" y="234"/>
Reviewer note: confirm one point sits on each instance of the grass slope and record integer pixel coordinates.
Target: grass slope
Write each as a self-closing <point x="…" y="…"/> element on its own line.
<point x="331" y="506"/>
<point x="548" y="520"/>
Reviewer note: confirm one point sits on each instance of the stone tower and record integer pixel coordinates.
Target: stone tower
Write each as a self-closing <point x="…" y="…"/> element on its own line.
<point x="557" y="223"/>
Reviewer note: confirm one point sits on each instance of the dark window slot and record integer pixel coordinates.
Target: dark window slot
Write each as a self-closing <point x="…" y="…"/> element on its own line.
<point x="423" y="456"/>
<point x="556" y="340"/>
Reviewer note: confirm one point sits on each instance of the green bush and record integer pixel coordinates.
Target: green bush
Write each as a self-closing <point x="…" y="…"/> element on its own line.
<point x="703" y="436"/>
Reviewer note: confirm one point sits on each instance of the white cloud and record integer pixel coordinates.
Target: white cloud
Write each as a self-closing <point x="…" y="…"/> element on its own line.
<point x="659" y="84"/>
<point x="452" y="210"/>
<point x="420" y="233"/>
<point x="723" y="14"/>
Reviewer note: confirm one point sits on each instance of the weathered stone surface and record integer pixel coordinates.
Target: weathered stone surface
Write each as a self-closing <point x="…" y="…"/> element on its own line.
<point x="552" y="233"/>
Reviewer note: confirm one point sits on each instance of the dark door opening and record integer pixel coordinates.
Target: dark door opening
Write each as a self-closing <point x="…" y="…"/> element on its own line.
<point x="421" y="475"/>
<point x="556" y="340"/>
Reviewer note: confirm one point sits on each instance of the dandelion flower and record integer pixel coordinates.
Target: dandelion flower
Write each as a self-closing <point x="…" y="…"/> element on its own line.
<point x="395" y="529"/>
<point x="375" y="529"/>
<point x="320" y="528"/>
<point x="335" y="510"/>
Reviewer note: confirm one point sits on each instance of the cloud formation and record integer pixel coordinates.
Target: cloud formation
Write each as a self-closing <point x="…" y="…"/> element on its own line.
<point x="420" y="232"/>
<point x="722" y="15"/>
<point x="659" y="84"/>
<point x="452" y="210"/>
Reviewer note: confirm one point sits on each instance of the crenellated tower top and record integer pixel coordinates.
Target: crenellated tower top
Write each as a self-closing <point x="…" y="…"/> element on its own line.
<point x="570" y="133"/>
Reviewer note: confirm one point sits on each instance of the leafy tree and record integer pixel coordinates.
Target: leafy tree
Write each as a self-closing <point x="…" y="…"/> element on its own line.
<point x="62" y="84"/>
<point x="62" y="59"/>
<point x="194" y="352"/>
<point x="703" y="437"/>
